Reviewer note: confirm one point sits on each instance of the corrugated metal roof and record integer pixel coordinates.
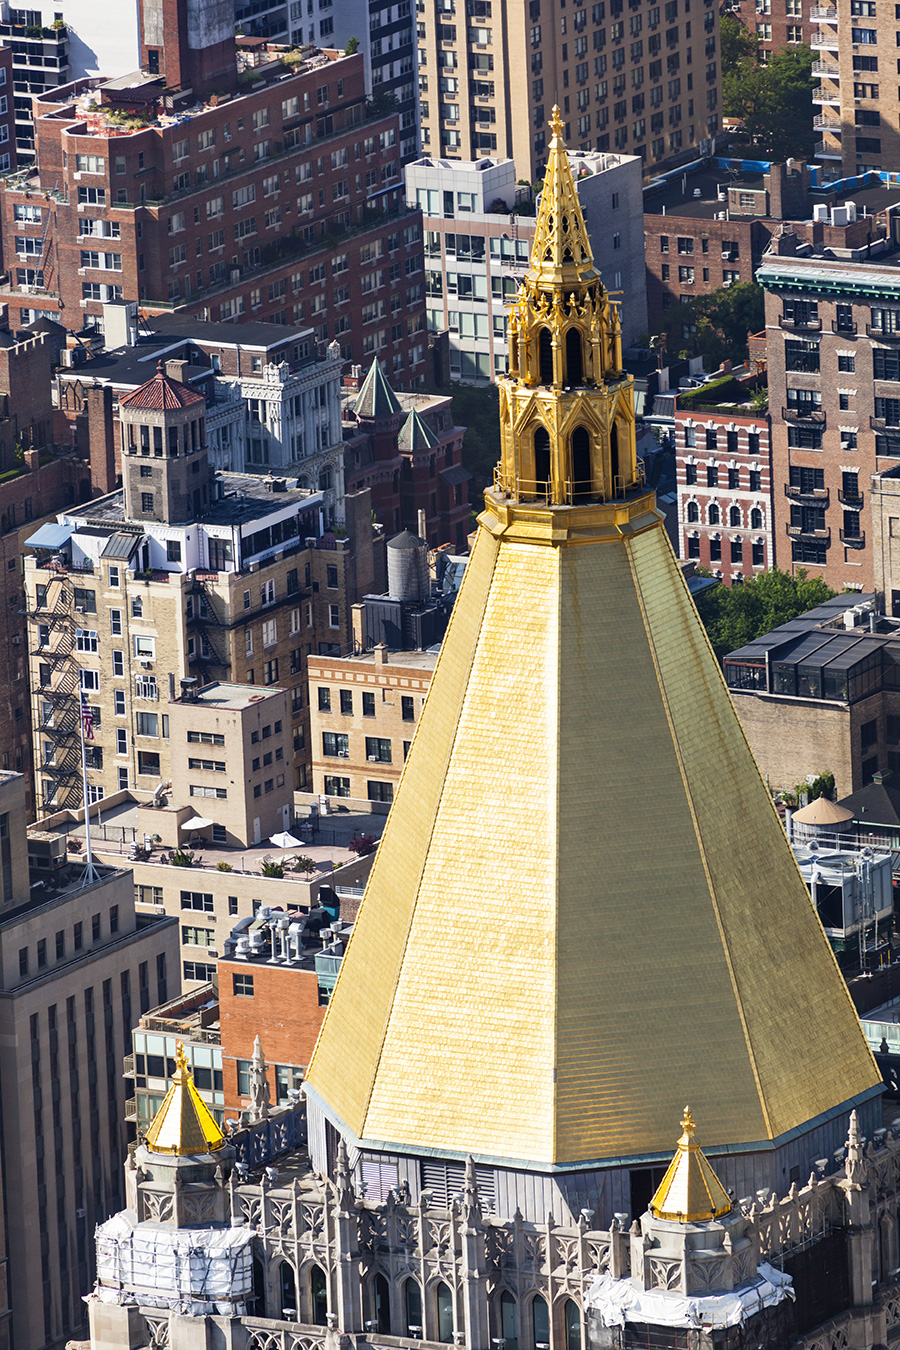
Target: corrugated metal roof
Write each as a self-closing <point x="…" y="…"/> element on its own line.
<point x="121" y="545"/>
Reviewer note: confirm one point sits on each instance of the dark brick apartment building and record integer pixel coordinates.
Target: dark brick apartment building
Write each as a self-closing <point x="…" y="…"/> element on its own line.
<point x="833" y="343"/>
<point x="278" y="199"/>
<point x="710" y="229"/>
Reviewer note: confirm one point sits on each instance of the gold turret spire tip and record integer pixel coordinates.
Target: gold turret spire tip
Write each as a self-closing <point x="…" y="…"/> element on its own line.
<point x="184" y="1123"/>
<point x="690" y="1192"/>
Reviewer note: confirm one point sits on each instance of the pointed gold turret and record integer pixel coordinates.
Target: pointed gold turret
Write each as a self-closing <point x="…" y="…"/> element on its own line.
<point x="184" y="1123"/>
<point x="690" y="1192"/>
<point x="567" y="407"/>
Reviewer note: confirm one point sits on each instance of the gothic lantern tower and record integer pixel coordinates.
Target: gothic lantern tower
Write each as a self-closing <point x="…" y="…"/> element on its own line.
<point x="566" y="407"/>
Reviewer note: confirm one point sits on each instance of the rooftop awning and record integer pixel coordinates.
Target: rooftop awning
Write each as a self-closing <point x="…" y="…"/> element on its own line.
<point x="121" y="545"/>
<point x="51" y="535"/>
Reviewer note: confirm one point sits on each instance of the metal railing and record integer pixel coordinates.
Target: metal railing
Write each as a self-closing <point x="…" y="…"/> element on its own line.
<point x="798" y="413"/>
<point x="819" y="495"/>
<point x="853" y="540"/>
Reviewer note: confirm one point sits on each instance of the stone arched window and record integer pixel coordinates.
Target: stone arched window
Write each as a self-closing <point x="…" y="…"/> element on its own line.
<point x="572" y="1323"/>
<point x="540" y="1323"/>
<point x="381" y="1305"/>
<point x="714" y="515"/>
<point x="693" y="512"/>
<point x="734" y="517"/>
<point x="318" y="1296"/>
<point x="287" y="1290"/>
<point x="443" y="1313"/>
<point x="509" y="1321"/>
<point x="756" y="519"/>
<point x="412" y="1308"/>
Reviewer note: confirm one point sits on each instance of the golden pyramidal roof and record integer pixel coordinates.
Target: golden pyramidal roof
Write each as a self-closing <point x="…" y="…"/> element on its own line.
<point x="183" y="1124"/>
<point x="690" y="1192"/>
<point x="583" y="898"/>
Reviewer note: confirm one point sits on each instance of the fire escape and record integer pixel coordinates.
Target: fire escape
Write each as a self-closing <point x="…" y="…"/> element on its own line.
<point x="57" y="713"/>
<point x="210" y="656"/>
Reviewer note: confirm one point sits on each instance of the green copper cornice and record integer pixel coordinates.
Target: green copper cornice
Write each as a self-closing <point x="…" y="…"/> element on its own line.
<point x="861" y="280"/>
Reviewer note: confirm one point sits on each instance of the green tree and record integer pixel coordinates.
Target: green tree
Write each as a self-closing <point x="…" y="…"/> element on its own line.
<point x="736" y="615"/>
<point x="736" y="43"/>
<point x="774" y="101"/>
<point x="716" y="326"/>
<point x="477" y="408"/>
<point x="352" y="47"/>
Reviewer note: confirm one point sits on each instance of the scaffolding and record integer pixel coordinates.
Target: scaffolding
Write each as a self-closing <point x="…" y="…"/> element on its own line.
<point x="189" y="1270"/>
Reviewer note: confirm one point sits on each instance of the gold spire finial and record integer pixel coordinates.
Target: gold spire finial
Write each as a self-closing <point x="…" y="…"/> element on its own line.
<point x="184" y="1123"/>
<point x="561" y="252"/>
<point x="690" y="1192"/>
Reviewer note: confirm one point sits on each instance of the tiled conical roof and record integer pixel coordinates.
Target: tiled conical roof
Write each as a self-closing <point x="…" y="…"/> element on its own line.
<point x="376" y="398"/>
<point x="690" y="1191"/>
<point x="161" y="394"/>
<point x="416" y="435"/>
<point x="184" y="1123"/>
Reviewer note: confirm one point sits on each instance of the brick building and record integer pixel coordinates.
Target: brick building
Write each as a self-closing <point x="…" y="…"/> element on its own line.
<point x="363" y="715"/>
<point x="38" y="478"/>
<point x="834" y="392"/>
<point x="181" y="573"/>
<point x="723" y="468"/>
<point x="407" y="451"/>
<point x="711" y="229"/>
<point x="775" y="23"/>
<point x="282" y="203"/>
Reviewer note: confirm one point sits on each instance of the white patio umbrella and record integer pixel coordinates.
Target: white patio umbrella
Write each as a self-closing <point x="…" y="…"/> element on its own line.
<point x="196" y="823"/>
<point x="285" y="840"/>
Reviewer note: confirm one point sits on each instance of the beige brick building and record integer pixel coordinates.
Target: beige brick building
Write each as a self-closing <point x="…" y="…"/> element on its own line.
<point x="182" y="573"/>
<point x="645" y="82"/>
<point x="364" y="711"/>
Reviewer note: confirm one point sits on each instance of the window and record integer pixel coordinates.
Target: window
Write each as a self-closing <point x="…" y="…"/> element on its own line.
<point x="147" y="724"/>
<point x="197" y="937"/>
<point x="335" y="743"/>
<point x="242" y="986"/>
<point x="148" y="762"/>
<point x="347" y="701"/>
<point x="325" y="700"/>
<point x="380" y="792"/>
<point x="144" y="647"/>
<point x="198" y="790"/>
<point x="378" y="748"/>
<point x="407" y="707"/>
<point x="712" y="474"/>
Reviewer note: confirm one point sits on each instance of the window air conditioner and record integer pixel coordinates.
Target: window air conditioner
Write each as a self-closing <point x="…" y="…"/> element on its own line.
<point x="146" y="665"/>
<point x="373" y="759"/>
<point x="79" y="609"/>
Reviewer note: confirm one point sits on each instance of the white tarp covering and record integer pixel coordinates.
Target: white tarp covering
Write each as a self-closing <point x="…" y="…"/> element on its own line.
<point x="618" y="1302"/>
<point x="167" y="1267"/>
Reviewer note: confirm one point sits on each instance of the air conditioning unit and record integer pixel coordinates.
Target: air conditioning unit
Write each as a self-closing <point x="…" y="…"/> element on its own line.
<point x="373" y="759"/>
<point x="146" y="665"/>
<point x="79" y="609"/>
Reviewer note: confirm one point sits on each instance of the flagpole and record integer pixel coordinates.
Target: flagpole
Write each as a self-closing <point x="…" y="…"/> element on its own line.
<point x="90" y="872"/>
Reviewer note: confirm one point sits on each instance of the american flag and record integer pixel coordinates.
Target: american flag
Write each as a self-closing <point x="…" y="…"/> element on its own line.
<point x="87" y="719"/>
